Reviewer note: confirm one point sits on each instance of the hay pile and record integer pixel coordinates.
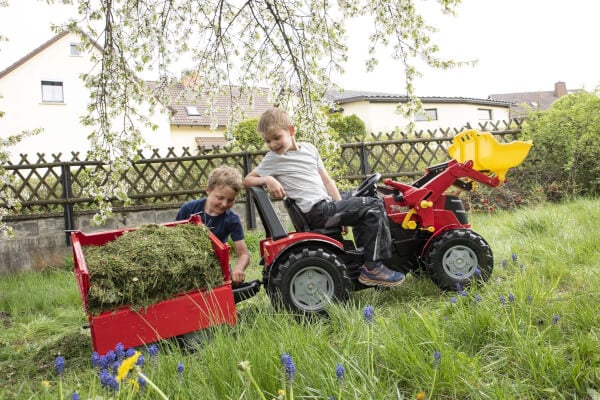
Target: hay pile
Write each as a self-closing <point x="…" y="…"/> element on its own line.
<point x="150" y="264"/>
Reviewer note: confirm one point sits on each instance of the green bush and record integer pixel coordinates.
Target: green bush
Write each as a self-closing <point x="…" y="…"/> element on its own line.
<point x="246" y="136"/>
<point x="565" y="158"/>
<point x="350" y="125"/>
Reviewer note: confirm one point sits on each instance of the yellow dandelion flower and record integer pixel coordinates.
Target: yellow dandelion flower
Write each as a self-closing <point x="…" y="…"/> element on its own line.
<point x="135" y="384"/>
<point x="46" y="384"/>
<point x="421" y="396"/>
<point x="281" y="392"/>
<point x="127" y="365"/>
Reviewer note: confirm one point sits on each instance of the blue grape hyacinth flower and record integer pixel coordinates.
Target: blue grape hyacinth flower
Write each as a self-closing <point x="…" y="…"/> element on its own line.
<point x="288" y="366"/>
<point x="59" y="365"/>
<point x="340" y="371"/>
<point x="369" y="313"/>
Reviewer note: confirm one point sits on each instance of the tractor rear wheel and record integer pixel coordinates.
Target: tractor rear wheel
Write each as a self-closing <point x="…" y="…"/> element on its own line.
<point x="457" y="257"/>
<point x="307" y="280"/>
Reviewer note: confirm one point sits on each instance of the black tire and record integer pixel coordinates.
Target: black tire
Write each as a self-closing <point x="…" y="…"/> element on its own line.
<point x="458" y="257"/>
<point x="307" y="280"/>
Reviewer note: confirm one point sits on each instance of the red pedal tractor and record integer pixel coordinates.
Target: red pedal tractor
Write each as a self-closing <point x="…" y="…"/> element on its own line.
<point x="305" y="270"/>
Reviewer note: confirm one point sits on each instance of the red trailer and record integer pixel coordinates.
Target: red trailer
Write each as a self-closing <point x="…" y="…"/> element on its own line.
<point x="182" y="314"/>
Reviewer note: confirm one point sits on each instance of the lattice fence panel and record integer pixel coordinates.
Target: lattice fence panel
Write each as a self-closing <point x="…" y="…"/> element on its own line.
<point x="174" y="177"/>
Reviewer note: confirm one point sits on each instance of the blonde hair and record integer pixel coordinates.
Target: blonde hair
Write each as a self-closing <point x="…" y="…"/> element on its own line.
<point x="272" y="119"/>
<point x="225" y="176"/>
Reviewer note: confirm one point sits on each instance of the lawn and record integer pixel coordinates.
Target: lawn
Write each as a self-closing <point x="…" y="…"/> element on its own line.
<point x="531" y="332"/>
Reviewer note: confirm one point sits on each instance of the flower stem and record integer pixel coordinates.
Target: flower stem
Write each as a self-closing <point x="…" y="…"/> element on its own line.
<point x="262" y="396"/>
<point x="153" y="386"/>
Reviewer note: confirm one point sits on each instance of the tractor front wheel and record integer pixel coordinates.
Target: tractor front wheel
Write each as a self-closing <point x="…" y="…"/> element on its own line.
<point x="307" y="280"/>
<point x="457" y="257"/>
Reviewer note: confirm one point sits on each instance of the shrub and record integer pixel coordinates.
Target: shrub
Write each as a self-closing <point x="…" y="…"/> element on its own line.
<point x="350" y="125"/>
<point x="246" y="136"/>
<point x="565" y="158"/>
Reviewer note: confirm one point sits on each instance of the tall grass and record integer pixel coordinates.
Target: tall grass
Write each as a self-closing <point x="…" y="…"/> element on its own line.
<point x="531" y="332"/>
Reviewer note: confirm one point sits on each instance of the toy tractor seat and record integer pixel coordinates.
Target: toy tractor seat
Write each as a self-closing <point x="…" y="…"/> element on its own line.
<point x="301" y="224"/>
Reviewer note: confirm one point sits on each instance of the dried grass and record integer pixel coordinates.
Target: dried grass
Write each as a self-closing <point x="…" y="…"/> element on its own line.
<point x="150" y="264"/>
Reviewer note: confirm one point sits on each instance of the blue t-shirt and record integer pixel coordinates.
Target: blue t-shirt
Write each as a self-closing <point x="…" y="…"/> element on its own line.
<point x="221" y="226"/>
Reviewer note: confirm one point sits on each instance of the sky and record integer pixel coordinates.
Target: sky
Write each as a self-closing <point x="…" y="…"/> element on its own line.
<point x="519" y="45"/>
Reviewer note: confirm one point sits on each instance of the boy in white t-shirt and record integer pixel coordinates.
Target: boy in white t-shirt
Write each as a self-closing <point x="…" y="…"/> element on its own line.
<point x="295" y="169"/>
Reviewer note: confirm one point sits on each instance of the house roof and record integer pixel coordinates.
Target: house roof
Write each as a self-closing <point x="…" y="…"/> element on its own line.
<point x="40" y="49"/>
<point x="540" y="100"/>
<point x="189" y="108"/>
<point x="32" y="54"/>
<point x="181" y="95"/>
<point x="351" y="96"/>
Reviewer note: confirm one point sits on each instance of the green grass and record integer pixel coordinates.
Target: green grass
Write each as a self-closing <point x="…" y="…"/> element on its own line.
<point x="541" y="342"/>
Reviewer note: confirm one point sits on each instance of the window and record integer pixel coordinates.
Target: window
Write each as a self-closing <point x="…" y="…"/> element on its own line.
<point x="74" y="48"/>
<point x="428" y="114"/>
<point x="192" y="110"/>
<point x="52" y="92"/>
<point x="484" y="114"/>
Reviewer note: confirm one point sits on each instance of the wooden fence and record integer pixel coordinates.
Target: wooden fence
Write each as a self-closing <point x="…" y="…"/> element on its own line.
<point x="56" y="187"/>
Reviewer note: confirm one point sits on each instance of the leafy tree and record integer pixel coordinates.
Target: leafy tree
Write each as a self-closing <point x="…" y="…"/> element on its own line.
<point x="350" y="125"/>
<point x="246" y="136"/>
<point x="291" y="47"/>
<point x="566" y="145"/>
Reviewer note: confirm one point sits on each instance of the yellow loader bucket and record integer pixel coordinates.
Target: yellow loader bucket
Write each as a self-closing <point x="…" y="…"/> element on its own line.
<point x="487" y="154"/>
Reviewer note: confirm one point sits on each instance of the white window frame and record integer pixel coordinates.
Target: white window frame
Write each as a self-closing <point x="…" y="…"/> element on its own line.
<point x="192" y="111"/>
<point x="52" y="92"/>
<point x="426" y="114"/>
<point x="74" y="50"/>
<point x="484" y="114"/>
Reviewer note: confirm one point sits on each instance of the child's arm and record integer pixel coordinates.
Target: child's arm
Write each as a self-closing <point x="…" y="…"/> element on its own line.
<point x="238" y="275"/>
<point x="332" y="190"/>
<point x="272" y="184"/>
<point x="330" y="185"/>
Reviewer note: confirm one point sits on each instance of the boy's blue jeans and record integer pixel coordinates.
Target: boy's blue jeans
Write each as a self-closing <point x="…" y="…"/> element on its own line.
<point x="367" y="217"/>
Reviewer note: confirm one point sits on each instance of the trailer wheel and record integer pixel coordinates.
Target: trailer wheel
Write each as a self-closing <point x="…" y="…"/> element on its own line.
<point x="457" y="257"/>
<point x="307" y="280"/>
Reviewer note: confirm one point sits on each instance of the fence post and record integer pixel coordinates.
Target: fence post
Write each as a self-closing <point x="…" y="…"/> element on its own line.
<point x="250" y="211"/>
<point x="364" y="159"/>
<point x="67" y="193"/>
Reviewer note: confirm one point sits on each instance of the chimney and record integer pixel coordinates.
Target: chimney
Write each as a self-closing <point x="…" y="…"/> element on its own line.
<point x="560" y="89"/>
<point x="190" y="79"/>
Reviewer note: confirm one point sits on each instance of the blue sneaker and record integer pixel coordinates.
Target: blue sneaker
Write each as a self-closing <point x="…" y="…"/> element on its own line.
<point x="380" y="276"/>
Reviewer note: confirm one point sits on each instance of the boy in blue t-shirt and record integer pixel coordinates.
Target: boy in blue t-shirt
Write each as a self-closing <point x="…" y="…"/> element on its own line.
<point x="224" y="184"/>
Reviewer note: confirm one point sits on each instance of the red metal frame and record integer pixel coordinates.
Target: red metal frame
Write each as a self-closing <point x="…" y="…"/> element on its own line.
<point x="184" y="313"/>
<point x="423" y="206"/>
<point x="270" y="248"/>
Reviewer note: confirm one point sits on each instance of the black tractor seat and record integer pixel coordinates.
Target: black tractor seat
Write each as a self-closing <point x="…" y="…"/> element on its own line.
<point x="301" y="224"/>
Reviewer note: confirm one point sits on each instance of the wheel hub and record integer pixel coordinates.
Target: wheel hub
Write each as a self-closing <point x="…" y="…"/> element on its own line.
<point x="311" y="287"/>
<point x="460" y="261"/>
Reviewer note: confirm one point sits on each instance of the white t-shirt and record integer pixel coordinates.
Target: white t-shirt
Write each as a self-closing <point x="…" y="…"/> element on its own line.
<point x="298" y="173"/>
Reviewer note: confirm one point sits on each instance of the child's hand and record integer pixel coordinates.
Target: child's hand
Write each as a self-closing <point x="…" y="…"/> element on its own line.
<point x="238" y="276"/>
<point x="275" y="188"/>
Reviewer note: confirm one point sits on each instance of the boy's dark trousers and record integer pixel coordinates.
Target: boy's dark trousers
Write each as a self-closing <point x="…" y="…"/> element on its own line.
<point x="365" y="214"/>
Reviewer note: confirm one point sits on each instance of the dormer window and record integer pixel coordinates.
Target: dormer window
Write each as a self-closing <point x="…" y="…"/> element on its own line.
<point x="192" y="111"/>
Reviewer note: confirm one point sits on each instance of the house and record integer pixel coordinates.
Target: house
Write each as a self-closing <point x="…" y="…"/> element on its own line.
<point x="524" y="102"/>
<point x="191" y="124"/>
<point x="379" y="111"/>
<point x="44" y="90"/>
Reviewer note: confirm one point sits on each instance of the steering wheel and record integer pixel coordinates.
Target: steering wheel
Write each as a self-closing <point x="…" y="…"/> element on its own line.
<point x="368" y="186"/>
